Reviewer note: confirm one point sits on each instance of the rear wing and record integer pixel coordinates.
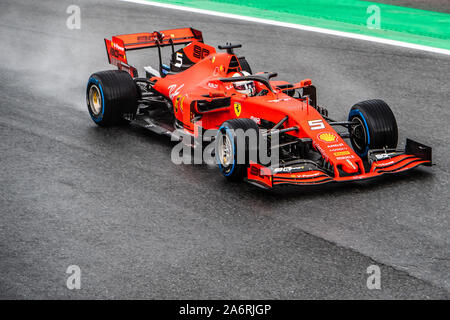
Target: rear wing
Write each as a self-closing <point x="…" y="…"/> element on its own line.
<point x="118" y="45"/>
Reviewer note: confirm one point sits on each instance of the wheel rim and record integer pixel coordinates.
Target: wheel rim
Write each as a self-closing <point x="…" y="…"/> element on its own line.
<point x="358" y="135"/>
<point x="95" y="100"/>
<point x="225" y="151"/>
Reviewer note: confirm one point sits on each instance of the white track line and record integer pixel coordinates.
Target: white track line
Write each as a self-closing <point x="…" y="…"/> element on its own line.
<point x="295" y="26"/>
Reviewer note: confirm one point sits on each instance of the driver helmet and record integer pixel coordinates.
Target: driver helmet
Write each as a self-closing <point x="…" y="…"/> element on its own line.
<point x="245" y="87"/>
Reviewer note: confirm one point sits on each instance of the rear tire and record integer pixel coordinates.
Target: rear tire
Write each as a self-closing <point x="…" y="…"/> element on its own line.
<point x="227" y="152"/>
<point x="375" y="128"/>
<point x="109" y="95"/>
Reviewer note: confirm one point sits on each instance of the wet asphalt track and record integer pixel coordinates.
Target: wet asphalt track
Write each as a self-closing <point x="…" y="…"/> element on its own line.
<point x="112" y="202"/>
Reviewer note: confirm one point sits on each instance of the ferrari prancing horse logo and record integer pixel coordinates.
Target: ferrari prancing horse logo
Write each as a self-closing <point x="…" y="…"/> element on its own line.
<point x="237" y="108"/>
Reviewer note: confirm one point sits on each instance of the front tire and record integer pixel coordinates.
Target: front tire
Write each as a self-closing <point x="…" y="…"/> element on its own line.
<point x="228" y="149"/>
<point x="109" y="95"/>
<point x="374" y="126"/>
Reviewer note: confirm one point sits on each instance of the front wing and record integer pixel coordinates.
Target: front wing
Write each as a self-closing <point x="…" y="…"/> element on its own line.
<point x="381" y="162"/>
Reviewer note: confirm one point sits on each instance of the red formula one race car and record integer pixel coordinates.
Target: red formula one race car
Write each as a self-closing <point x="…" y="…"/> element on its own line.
<point x="205" y="89"/>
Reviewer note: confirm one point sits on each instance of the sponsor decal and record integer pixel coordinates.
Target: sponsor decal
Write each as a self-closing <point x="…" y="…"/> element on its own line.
<point x="279" y="100"/>
<point x="338" y="149"/>
<point x="385" y="164"/>
<point x="116" y="51"/>
<point x="257" y="120"/>
<point x="257" y="173"/>
<point x="310" y="175"/>
<point x="237" y="109"/>
<point x="200" y="52"/>
<point x="335" y="145"/>
<point x="327" y="137"/>
<point x="383" y="156"/>
<point x="213" y="85"/>
<point x="117" y="47"/>
<point x="152" y="37"/>
<point x="345" y="157"/>
<point x="174" y="91"/>
<point x="287" y="169"/>
<point x="341" y="153"/>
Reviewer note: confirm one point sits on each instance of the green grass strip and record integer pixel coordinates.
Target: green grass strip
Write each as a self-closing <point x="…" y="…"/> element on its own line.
<point x="416" y="26"/>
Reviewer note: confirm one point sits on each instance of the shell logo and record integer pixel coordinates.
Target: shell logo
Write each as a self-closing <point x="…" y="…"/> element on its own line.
<point x="327" y="137"/>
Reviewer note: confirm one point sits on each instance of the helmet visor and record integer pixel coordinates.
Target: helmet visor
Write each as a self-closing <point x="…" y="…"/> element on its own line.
<point x="247" y="87"/>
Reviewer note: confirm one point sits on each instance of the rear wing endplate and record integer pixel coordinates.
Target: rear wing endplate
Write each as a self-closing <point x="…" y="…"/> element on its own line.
<point x="118" y="45"/>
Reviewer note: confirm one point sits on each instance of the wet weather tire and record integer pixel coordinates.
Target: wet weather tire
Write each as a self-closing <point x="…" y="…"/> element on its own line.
<point x="375" y="126"/>
<point x="109" y="95"/>
<point x="231" y="163"/>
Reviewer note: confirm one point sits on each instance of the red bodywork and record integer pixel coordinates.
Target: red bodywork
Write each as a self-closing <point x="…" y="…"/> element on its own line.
<point x="202" y="82"/>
